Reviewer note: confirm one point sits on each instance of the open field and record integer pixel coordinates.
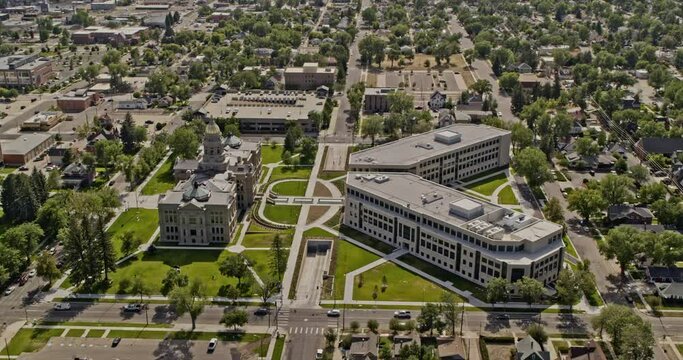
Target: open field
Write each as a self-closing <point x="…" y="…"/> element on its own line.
<point x="282" y="214"/>
<point x="162" y="180"/>
<point x="142" y="222"/>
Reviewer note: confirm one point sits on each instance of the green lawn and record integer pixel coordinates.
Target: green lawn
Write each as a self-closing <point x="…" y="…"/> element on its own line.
<point x="142" y="222"/>
<point x="318" y="232"/>
<point x="282" y="214"/>
<point x="29" y="340"/>
<point x="271" y="154"/>
<point x="444" y="275"/>
<point x="162" y="180"/>
<point x="279" y="347"/>
<point x="329" y="175"/>
<point x="402" y="285"/>
<point x="291" y="188"/>
<point x="488" y="185"/>
<point x="507" y="197"/>
<point x="260" y="262"/>
<point x="569" y="246"/>
<point x="200" y="264"/>
<point x="75" y="332"/>
<point x="187" y="335"/>
<point x="95" y="333"/>
<point x="265" y="239"/>
<point x="6" y="170"/>
<point x="365" y="239"/>
<point x="348" y="257"/>
<point x="286" y="172"/>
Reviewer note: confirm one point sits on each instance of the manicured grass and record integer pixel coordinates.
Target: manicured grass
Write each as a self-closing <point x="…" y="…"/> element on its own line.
<point x="142" y="222"/>
<point x="29" y="340"/>
<point x="200" y="264"/>
<point x="137" y="334"/>
<point x="488" y="185"/>
<point x="569" y="246"/>
<point x="265" y="239"/>
<point x="402" y="285"/>
<point x="348" y="257"/>
<point x="75" y="332"/>
<point x="507" y="197"/>
<point x="335" y="221"/>
<point x="318" y="232"/>
<point x="260" y="262"/>
<point x="104" y="324"/>
<point x="187" y="335"/>
<point x="329" y="175"/>
<point x="341" y="185"/>
<point x="282" y="214"/>
<point x="444" y="275"/>
<point x="162" y="180"/>
<point x="271" y="154"/>
<point x="286" y="172"/>
<point x="279" y="347"/>
<point x="6" y="170"/>
<point x="95" y="333"/>
<point x="291" y="188"/>
<point x="365" y="239"/>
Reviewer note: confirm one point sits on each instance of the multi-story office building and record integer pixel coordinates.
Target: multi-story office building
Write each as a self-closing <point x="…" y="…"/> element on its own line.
<point x="202" y="209"/>
<point x="376" y="100"/>
<point x="25" y="70"/>
<point x="474" y="239"/>
<point x="309" y="76"/>
<point x="443" y="155"/>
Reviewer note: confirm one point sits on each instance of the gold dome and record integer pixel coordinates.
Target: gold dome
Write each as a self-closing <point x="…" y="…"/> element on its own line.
<point x="212" y="128"/>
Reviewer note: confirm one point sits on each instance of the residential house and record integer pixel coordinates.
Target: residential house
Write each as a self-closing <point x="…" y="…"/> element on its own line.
<point x="658" y="145"/>
<point x="522" y="68"/>
<point x="530" y="349"/>
<point x="437" y="100"/>
<point x="364" y="347"/>
<point x="629" y="214"/>
<point x="77" y="175"/>
<point x="664" y="274"/>
<point x="451" y="349"/>
<point x="630" y="102"/>
<point x="590" y="351"/>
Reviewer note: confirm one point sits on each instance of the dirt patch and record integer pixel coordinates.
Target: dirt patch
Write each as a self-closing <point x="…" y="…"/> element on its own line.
<point x="315" y="212"/>
<point x="321" y="190"/>
<point x="499" y="351"/>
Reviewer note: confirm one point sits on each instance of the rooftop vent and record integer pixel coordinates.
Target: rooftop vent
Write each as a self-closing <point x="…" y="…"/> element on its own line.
<point x="381" y="179"/>
<point x="430" y="197"/>
<point x="466" y="208"/>
<point x="448" y="137"/>
<point x="425" y="146"/>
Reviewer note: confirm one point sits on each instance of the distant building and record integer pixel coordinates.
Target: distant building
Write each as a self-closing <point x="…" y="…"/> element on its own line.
<point x="437" y="100"/>
<point x="376" y="100"/>
<point x="443" y="155"/>
<point x="451" y="349"/>
<point x="25" y="70"/>
<point x="656" y="145"/>
<point x="530" y="349"/>
<point x="129" y="35"/>
<point x="25" y="148"/>
<point x="42" y="121"/>
<point x="629" y="214"/>
<point x="219" y="16"/>
<point x="103" y="5"/>
<point x="139" y="104"/>
<point x="77" y="175"/>
<point x="364" y="347"/>
<point x="590" y="351"/>
<point x="77" y="101"/>
<point x="309" y="77"/>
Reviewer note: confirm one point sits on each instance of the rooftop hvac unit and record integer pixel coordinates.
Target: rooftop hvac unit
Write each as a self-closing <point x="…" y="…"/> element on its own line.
<point x="381" y="179"/>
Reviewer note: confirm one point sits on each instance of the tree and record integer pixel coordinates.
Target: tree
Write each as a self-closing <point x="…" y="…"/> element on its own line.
<point x="639" y="174"/>
<point x="509" y="81"/>
<point x="553" y="211"/>
<point x="616" y="189"/>
<point x="372" y="126"/>
<point x="585" y="146"/>
<point x="138" y="287"/>
<point x="373" y="325"/>
<point x="268" y="289"/>
<point x="650" y="193"/>
<point x="521" y="136"/>
<point x="189" y="299"/>
<point x="234" y="266"/>
<point x="531" y="290"/>
<point x="39" y="186"/>
<point x="532" y="164"/>
<point x="235" y="318"/>
<point x="46" y="267"/>
<point x="173" y="280"/>
<point x="24" y="237"/>
<point x="400" y="102"/>
<point x="292" y="137"/>
<point x="637" y="341"/>
<point x="481" y="87"/>
<point x="129" y="242"/>
<point x="450" y="309"/>
<point x="330" y="337"/>
<point x="429" y="315"/>
<point x="184" y="143"/>
<point x="355" y="326"/>
<point x="497" y="290"/>
<point x="278" y="257"/>
<point x="19" y="200"/>
<point x="625" y="328"/>
<point x="586" y="202"/>
<point x="131" y="135"/>
<point x="537" y="332"/>
<point x="309" y="148"/>
<point x="623" y="243"/>
<point x="569" y="286"/>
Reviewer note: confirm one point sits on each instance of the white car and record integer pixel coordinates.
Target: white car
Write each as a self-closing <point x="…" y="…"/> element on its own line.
<point x="402" y="314"/>
<point x="132" y="307"/>
<point x="334" y="313"/>
<point x="212" y="344"/>
<point x="32" y="273"/>
<point x="62" y="306"/>
<point x="9" y="290"/>
<point x="319" y="354"/>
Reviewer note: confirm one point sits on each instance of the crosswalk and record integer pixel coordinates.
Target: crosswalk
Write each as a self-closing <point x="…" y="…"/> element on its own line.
<point x="302" y="330"/>
<point x="283" y="317"/>
<point x="313" y="330"/>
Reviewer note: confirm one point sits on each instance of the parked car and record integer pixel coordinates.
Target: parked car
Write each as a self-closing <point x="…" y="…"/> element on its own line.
<point x="32" y="273"/>
<point x="333" y="313"/>
<point x="23" y="279"/>
<point x="115" y="342"/>
<point x="502" y="317"/>
<point x="402" y="314"/>
<point x="319" y="354"/>
<point x="212" y="345"/>
<point x="9" y="290"/>
<point x="133" y="307"/>
<point x="261" y="312"/>
<point x="62" y="306"/>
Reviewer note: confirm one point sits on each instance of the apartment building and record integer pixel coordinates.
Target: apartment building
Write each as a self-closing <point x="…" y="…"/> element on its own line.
<point x="309" y="77"/>
<point x="444" y="155"/>
<point x="469" y="237"/>
<point x="25" y="70"/>
<point x="376" y="100"/>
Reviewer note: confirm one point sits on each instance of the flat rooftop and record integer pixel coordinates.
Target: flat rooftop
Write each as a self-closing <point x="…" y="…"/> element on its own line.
<point x="23" y="144"/>
<point x="22" y="62"/>
<point x="452" y="206"/>
<point x="414" y="149"/>
<point x="265" y="105"/>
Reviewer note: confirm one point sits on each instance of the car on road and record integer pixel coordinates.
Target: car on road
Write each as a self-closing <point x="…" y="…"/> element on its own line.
<point x="502" y="317"/>
<point x="261" y="312"/>
<point x="402" y="314"/>
<point x="9" y="290"/>
<point x="115" y="342"/>
<point x="212" y="345"/>
<point x="319" y="354"/>
<point x="32" y="273"/>
<point x="23" y="279"/>
<point x="62" y="306"/>
<point x="132" y="307"/>
<point x="333" y="313"/>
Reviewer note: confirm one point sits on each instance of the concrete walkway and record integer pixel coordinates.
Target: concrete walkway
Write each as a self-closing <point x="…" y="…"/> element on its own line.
<point x="350" y="276"/>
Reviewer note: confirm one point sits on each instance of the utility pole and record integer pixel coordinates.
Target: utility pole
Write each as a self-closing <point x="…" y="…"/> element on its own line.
<point x="462" y="317"/>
